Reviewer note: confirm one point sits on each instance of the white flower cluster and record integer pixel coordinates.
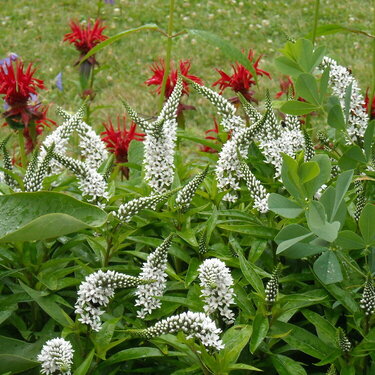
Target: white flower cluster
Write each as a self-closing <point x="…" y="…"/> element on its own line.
<point x="368" y="298"/>
<point x="37" y="170"/>
<point x="92" y="147"/>
<point x="343" y="342"/>
<point x="92" y="184"/>
<point x="186" y="194"/>
<point x="340" y="78"/>
<point x="217" y="282"/>
<point x="95" y="293"/>
<point x="127" y="210"/>
<point x="148" y="295"/>
<point x="160" y="142"/>
<point x="56" y="357"/>
<point x="272" y="287"/>
<point x="257" y="191"/>
<point x="279" y="137"/>
<point x="195" y="325"/>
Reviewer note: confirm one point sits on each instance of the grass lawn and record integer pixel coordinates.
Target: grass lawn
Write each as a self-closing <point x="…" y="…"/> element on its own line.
<point x="34" y="30"/>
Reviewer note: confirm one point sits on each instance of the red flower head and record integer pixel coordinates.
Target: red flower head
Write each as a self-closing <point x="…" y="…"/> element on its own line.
<point x="118" y="141"/>
<point x="241" y="80"/>
<point x="159" y="68"/>
<point x="87" y="37"/>
<point x="20" y="95"/>
<point x="367" y="103"/>
<point x="286" y="87"/>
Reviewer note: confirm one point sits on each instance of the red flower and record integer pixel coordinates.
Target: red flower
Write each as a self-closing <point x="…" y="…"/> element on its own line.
<point x="242" y="79"/>
<point x="87" y="37"/>
<point x="118" y="141"/>
<point x="286" y="86"/>
<point x="20" y="95"/>
<point x="159" y="68"/>
<point x="366" y="106"/>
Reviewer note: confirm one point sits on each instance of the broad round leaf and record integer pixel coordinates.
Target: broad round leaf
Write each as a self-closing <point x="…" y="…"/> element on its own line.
<point x="42" y="215"/>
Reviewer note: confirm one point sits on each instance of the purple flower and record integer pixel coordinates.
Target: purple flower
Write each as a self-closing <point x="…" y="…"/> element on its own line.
<point x="58" y="81"/>
<point x="109" y="1"/>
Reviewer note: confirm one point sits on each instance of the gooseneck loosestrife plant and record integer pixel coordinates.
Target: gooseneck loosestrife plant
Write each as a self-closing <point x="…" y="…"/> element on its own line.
<point x="253" y="253"/>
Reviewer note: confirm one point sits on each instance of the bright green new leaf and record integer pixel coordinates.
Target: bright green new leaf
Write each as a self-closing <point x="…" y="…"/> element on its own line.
<point x="297" y="108"/>
<point x="307" y="88"/>
<point x="308" y="171"/>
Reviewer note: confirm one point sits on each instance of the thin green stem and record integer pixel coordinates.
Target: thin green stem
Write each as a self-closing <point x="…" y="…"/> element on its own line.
<point x="168" y="53"/>
<point x="316" y="17"/>
<point x="21" y="142"/>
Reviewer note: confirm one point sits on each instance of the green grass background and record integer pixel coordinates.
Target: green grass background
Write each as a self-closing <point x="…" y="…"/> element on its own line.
<point x="34" y="30"/>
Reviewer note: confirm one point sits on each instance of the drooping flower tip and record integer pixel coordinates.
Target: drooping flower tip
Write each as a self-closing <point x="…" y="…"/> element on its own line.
<point x="158" y="68"/>
<point x="242" y="79"/>
<point x="367" y="302"/>
<point x="56" y="357"/>
<point x="85" y="37"/>
<point x="216" y="282"/>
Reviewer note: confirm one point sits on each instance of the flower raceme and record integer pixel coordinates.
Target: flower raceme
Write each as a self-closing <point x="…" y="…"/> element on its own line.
<point x="158" y="68"/>
<point x="56" y="357"/>
<point x="242" y="79"/>
<point x="118" y="140"/>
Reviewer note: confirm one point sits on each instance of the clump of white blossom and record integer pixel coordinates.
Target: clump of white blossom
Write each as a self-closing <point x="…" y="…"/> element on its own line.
<point x="340" y="80"/>
<point x="257" y="191"/>
<point x="193" y="324"/>
<point x="343" y="341"/>
<point x="95" y="293"/>
<point x="160" y="142"/>
<point x="217" y="288"/>
<point x="148" y="295"/>
<point x="56" y="357"/>
<point x="127" y="210"/>
<point x="368" y="297"/>
<point x="272" y="287"/>
<point x="186" y="194"/>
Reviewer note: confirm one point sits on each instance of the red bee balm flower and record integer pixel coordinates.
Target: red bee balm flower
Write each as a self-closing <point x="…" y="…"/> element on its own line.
<point x="159" y="68"/>
<point x="118" y="141"/>
<point x="87" y="37"/>
<point x="211" y="137"/>
<point x="372" y="104"/>
<point x="241" y="80"/>
<point x="19" y="90"/>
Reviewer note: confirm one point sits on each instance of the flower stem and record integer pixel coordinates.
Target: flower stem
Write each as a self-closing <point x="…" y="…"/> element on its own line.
<point x="168" y="52"/>
<point x="316" y="17"/>
<point x="21" y="142"/>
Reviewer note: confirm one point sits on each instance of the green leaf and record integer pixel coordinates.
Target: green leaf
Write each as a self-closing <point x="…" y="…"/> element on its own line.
<point x="115" y="38"/>
<point x="318" y="224"/>
<point x="366" y="223"/>
<point x="301" y="339"/>
<point x="288" y="66"/>
<point x="297" y="108"/>
<point x="313" y="185"/>
<point x="326" y="331"/>
<point x="85" y="365"/>
<point x="260" y="330"/>
<point x="251" y="276"/>
<point x="133" y="353"/>
<point x="251" y="230"/>
<point x="16" y="363"/>
<point x="214" y="145"/>
<point x="48" y="304"/>
<point x="344" y="297"/>
<point x="369" y="139"/>
<point x="287" y="366"/>
<point x="227" y="48"/>
<point x="243" y="366"/>
<point x="307" y="88"/>
<point x="235" y="339"/>
<point x="135" y="157"/>
<point x="43" y="215"/>
<point x="351" y="158"/>
<point x="283" y="206"/>
<point x="327" y="268"/>
<point x="308" y="171"/>
<point x="336" y="117"/>
<point x="290" y="235"/>
<point x="350" y="240"/>
<point x="342" y="185"/>
<point x="329" y="29"/>
<point x="324" y="84"/>
<point x="192" y="271"/>
<point x="289" y="174"/>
